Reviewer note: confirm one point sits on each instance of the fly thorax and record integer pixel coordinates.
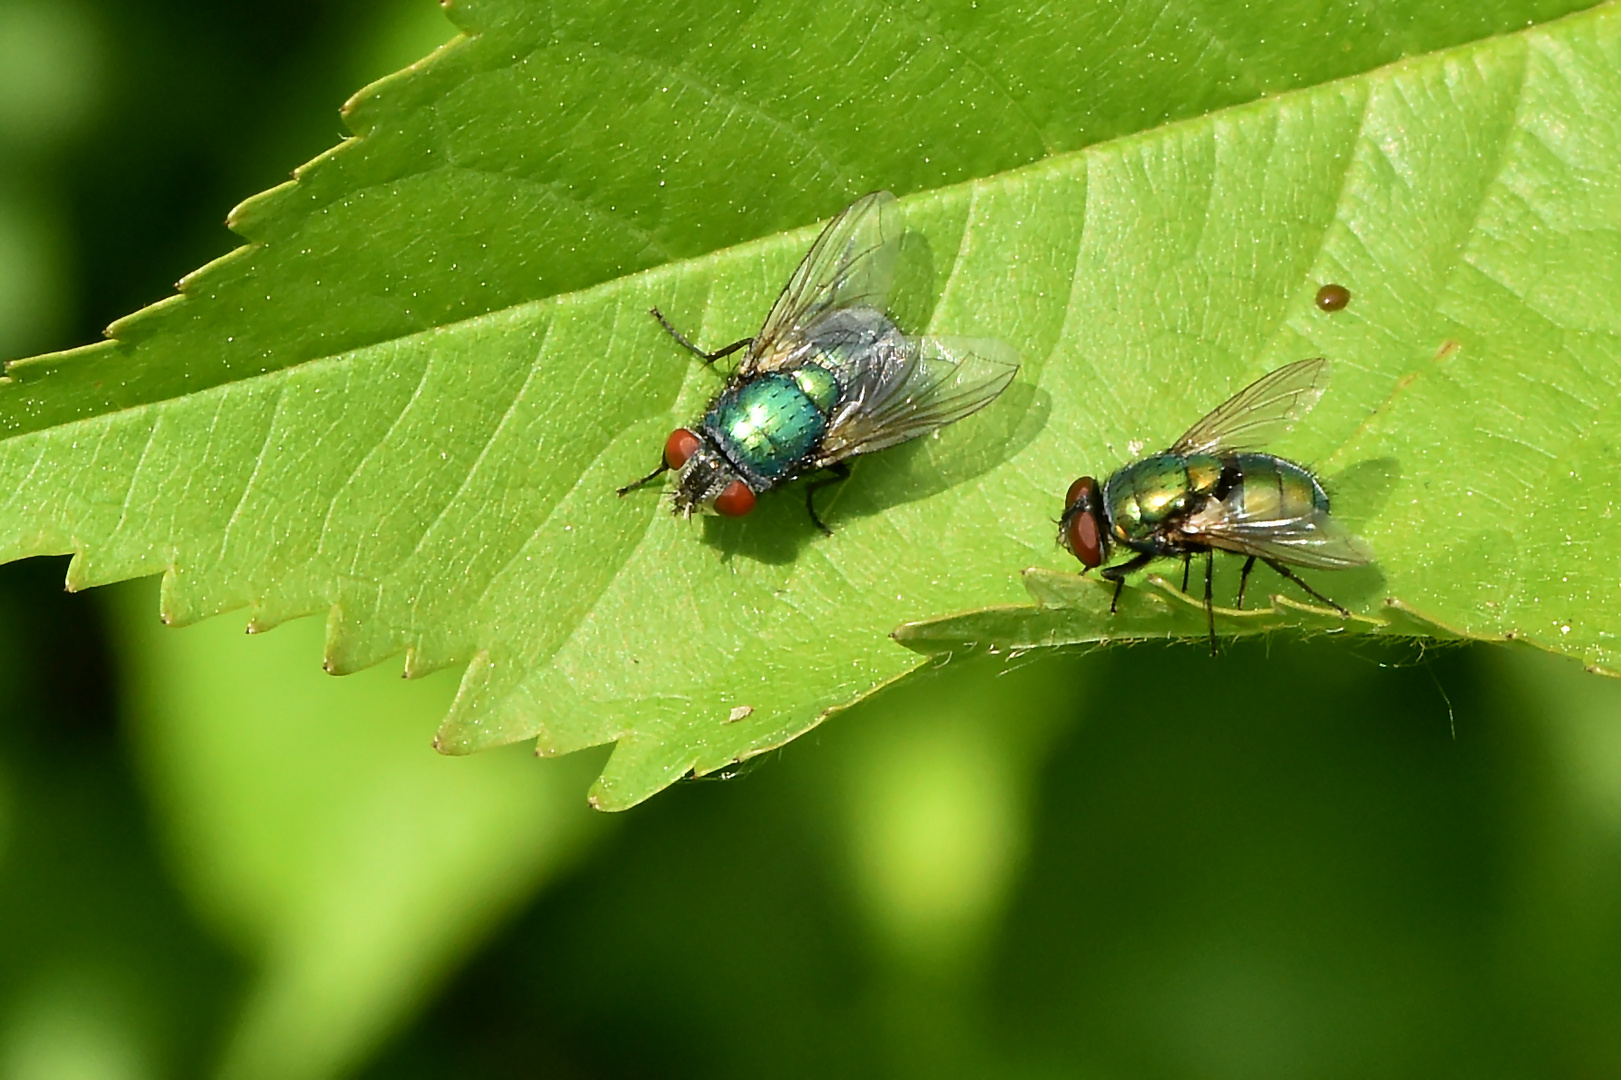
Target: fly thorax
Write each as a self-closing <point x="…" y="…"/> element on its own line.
<point x="1158" y="504"/>
<point x="1120" y="507"/>
<point x="1147" y="495"/>
<point x="818" y="384"/>
<point x="768" y="425"/>
<point x="1205" y="474"/>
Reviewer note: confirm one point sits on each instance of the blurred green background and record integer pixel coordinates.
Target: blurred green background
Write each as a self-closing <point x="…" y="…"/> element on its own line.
<point x="1299" y="860"/>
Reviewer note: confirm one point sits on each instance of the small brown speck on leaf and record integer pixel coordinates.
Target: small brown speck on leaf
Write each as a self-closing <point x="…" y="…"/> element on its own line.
<point x="1333" y="297"/>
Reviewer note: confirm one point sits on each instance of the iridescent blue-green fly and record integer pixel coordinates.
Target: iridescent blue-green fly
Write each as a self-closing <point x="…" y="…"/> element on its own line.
<point x="828" y="377"/>
<point x="1213" y="490"/>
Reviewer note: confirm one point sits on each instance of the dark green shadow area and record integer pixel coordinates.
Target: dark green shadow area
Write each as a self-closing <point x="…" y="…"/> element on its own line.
<point x="1278" y="863"/>
<point x="103" y="971"/>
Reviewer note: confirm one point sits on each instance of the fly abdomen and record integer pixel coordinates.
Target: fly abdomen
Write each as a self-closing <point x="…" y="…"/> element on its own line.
<point x="1273" y="489"/>
<point x="770" y="424"/>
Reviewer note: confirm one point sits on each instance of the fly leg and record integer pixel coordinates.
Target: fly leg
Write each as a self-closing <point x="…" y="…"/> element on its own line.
<point x="841" y="472"/>
<point x="663" y="468"/>
<point x="1117" y="574"/>
<point x="1209" y="607"/>
<point x="1187" y="561"/>
<point x="706" y="357"/>
<point x="1243" y="580"/>
<point x="1292" y="576"/>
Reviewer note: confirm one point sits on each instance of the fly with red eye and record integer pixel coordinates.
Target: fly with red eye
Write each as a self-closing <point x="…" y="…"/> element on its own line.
<point x="829" y="376"/>
<point x="1212" y="490"/>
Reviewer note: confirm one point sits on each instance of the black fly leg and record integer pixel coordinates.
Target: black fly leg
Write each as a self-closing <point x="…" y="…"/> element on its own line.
<point x="1117" y="574"/>
<point x="644" y="481"/>
<point x="1187" y="561"/>
<point x="1292" y="576"/>
<point x="1243" y="580"/>
<point x="1209" y="606"/>
<point x="706" y="357"/>
<point x="840" y="471"/>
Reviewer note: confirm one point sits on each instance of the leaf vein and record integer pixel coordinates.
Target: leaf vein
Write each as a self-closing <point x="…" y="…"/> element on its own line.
<point x="258" y="464"/>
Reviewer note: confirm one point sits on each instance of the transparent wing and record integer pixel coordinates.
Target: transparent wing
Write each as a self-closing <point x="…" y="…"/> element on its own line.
<point x="1260" y="412"/>
<point x="915" y="386"/>
<point x="851" y="265"/>
<point x="1313" y="540"/>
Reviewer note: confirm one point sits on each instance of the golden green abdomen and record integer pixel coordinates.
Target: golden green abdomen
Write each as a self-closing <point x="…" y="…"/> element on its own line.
<point x="1273" y="489"/>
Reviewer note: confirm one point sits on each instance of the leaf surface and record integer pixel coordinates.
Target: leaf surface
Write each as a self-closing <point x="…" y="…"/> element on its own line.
<point x="554" y="147"/>
<point x="448" y="493"/>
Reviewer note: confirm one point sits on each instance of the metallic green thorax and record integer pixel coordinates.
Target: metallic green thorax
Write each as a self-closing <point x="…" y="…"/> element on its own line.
<point x="819" y="385"/>
<point x="1142" y="500"/>
<point x="770" y="424"/>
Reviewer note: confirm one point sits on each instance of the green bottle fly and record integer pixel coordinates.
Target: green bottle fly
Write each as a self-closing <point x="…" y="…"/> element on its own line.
<point x="828" y="377"/>
<point x="1214" y="490"/>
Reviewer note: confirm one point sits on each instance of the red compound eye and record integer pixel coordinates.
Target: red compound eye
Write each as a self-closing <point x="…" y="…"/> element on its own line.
<point x="680" y="446"/>
<point x="736" y="500"/>
<point x="1083" y="523"/>
<point x="1083" y="486"/>
<point x="1084" y="542"/>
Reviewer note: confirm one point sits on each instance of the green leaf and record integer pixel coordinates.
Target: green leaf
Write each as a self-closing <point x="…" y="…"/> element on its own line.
<point x="448" y="494"/>
<point x="1474" y="421"/>
<point x="555" y="147"/>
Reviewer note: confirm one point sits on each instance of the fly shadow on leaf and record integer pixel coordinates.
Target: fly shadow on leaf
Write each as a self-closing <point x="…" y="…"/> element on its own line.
<point x="1358" y="494"/>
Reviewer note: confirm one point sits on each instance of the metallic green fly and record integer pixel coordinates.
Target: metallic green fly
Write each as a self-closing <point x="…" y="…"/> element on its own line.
<point x="1212" y="490"/>
<point x="828" y="377"/>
